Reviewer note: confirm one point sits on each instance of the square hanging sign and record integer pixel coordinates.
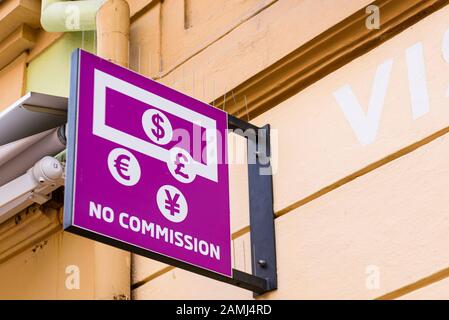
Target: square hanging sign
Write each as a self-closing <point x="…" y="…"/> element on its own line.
<point x="146" y="168"/>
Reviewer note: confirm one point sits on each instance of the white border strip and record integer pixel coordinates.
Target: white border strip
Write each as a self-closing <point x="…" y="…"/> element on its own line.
<point x="103" y="80"/>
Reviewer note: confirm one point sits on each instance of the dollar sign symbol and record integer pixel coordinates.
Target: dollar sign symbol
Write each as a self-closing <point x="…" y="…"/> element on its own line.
<point x="158" y="131"/>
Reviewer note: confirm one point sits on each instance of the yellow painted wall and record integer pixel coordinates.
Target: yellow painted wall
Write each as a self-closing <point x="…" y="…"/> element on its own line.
<point x="347" y="213"/>
<point x="60" y="265"/>
<point x="49" y="72"/>
<point x="12" y="81"/>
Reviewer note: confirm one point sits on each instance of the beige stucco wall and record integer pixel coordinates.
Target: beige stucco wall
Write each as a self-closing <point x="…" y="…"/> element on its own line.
<point x="334" y="230"/>
<point x="59" y="267"/>
<point x="12" y="81"/>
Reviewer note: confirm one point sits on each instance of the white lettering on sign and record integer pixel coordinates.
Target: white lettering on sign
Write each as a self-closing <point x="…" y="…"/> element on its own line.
<point x="103" y="213"/>
<point x="366" y="124"/>
<point x="155" y="231"/>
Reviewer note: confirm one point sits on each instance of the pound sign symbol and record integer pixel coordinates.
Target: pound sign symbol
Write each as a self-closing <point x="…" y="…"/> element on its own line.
<point x="180" y="165"/>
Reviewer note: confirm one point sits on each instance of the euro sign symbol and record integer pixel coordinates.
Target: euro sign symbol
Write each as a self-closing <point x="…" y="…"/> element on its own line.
<point x="158" y="132"/>
<point x="121" y="163"/>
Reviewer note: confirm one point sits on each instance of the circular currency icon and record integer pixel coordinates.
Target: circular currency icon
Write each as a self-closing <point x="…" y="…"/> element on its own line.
<point x="172" y="203"/>
<point x="157" y="126"/>
<point x="124" y="166"/>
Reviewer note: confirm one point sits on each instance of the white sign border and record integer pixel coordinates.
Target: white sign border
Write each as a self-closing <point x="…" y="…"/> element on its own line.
<point x="103" y="80"/>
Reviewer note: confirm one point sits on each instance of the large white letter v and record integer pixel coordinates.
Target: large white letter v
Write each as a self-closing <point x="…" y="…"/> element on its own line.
<point x="365" y="125"/>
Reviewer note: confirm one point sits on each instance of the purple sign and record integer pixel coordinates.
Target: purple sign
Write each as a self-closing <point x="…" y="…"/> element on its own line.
<point x="146" y="167"/>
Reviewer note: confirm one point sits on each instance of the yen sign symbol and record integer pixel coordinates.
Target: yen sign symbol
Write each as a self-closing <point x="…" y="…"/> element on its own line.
<point x="172" y="203"/>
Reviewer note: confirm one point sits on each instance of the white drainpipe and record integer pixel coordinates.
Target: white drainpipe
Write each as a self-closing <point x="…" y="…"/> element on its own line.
<point x="67" y="16"/>
<point x="112" y="266"/>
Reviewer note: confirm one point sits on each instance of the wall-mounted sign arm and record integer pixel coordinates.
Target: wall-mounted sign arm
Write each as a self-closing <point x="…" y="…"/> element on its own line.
<point x="263" y="244"/>
<point x="236" y="123"/>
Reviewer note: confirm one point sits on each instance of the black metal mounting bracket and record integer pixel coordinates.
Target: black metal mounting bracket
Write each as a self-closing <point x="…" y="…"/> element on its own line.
<point x="262" y="229"/>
